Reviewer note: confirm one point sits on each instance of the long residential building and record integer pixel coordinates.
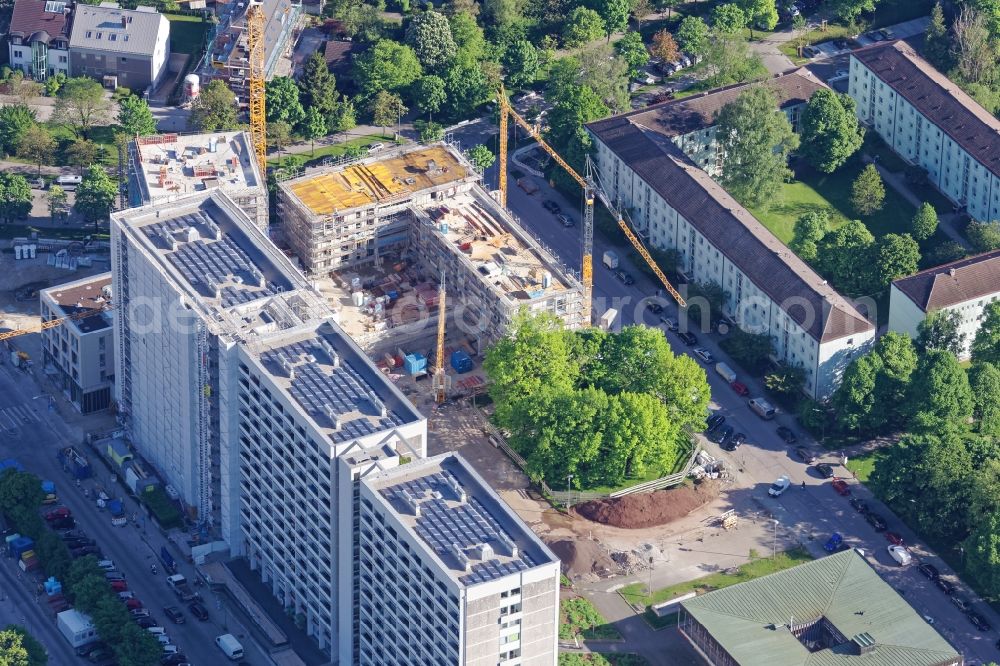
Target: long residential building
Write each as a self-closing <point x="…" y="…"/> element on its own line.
<point x="965" y="287"/>
<point x="930" y="122"/>
<point x="426" y="203"/>
<point x="81" y="350"/>
<point x="676" y="205"/>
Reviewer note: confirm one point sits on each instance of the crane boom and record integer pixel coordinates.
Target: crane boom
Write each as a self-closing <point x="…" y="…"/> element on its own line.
<point x="52" y="323"/>
<point x="440" y="378"/>
<point x="258" y="116"/>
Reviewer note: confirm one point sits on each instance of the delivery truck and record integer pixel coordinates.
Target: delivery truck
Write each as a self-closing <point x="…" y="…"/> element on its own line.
<point x="725" y="372"/>
<point x="610" y="259"/>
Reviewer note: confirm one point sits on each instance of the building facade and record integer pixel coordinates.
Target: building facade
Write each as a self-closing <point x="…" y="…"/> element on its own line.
<point x="769" y="290"/>
<point x="930" y="122"/>
<point x="81" y="350"/>
<point x="448" y="574"/>
<point x="38" y="39"/>
<point x="120" y="47"/>
<point x="965" y="287"/>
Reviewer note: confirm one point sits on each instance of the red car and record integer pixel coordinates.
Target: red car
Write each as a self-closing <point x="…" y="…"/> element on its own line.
<point x="841" y="487"/>
<point x="133" y="604"/>
<point x="894" y="538"/>
<point x="119" y="585"/>
<point x="740" y="389"/>
<point x="58" y="514"/>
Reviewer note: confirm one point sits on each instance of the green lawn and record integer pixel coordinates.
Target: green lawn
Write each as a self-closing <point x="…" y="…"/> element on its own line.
<point x="578" y="617"/>
<point x="863" y="465"/>
<point x="187" y="33"/>
<point x="815" y="191"/>
<point x="636" y="593"/>
<point x="335" y="150"/>
<point x="601" y="659"/>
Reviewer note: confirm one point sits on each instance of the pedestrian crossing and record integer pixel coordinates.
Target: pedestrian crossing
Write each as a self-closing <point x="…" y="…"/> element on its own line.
<point x="16" y="416"/>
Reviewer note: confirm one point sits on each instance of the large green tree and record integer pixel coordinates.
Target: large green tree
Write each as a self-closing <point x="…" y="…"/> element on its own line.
<point x="986" y="344"/>
<point x="940" y="330"/>
<point x="386" y="108"/>
<point x="808" y="231"/>
<point x="38" y="145"/>
<point x="19" y="489"/>
<point x="937" y="45"/>
<point x="521" y="61"/>
<point x="728" y="19"/>
<point x="755" y="140"/>
<point x="692" y="35"/>
<point x="283" y="101"/>
<point x="11" y="649"/>
<point x="429" y="35"/>
<point x="135" y="116"/>
<point x="15" y="197"/>
<point x="849" y="10"/>
<point x="632" y="49"/>
<point x="760" y="13"/>
<point x="429" y="94"/>
<point x="984" y="236"/>
<point x="214" y="109"/>
<point x="896" y="255"/>
<point x="984" y="380"/>
<point x="387" y="66"/>
<point x="81" y="104"/>
<point x="95" y="196"/>
<point x="854" y="403"/>
<point x="481" y="156"/>
<point x="15" y="120"/>
<point x="845" y="255"/>
<point x="318" y="88"/>
<point x="829" y="130"/>
<point x="868" y="191"/>
<point x="982" y="552"/>
<point x="466" y="89"/>
<point x="939" y="392"/>
<point x="614" y="13"/>
<point x="583" y="25"/>
<point x="924" y="222"/>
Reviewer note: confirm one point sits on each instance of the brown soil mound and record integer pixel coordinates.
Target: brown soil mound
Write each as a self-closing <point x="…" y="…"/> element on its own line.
<point x="649" y="509"/>
<point x="583" y="557"/>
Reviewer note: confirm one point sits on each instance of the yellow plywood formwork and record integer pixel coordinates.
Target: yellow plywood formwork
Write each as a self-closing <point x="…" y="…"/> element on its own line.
<point x="362" y="185"/>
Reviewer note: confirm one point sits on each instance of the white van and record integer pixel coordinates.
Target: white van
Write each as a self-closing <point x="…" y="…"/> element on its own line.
<point x="228" y="644"/>
<point x="761" y="407"/>
<point x="69" y="183"/>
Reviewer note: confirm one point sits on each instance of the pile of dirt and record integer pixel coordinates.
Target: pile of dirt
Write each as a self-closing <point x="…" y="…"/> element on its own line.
<point x="644" y="510"/>
<point x="583" y="558"/>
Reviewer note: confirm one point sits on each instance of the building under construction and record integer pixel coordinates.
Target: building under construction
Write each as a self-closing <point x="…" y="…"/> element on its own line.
<point x="227" y="56"/>
<point x="163" y="167"/>
<point x="425" y="204"/>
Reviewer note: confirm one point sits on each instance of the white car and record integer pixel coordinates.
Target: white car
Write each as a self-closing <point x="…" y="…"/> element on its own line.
<point x="107" y="565"/>
<point x="164" y="639"/>
<point x="779" y="486"/>
<point x="703" y="354"/>
<point x="169" y="649"/>
<point x="901" y="555"/>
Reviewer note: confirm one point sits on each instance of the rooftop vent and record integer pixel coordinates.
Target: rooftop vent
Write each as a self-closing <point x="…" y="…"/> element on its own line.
<point x="508" y="543"/>
<point x="952" y="272"/>
<point x="287" y="366"/>
<point x="377" y="404"/>
<point x="328" y="410"/>
<point x="328" y="348"/>
<point x="456" y="488"/>
<point x="463" y="561"/>
<point x="168" y="239"/>
<point x="484" y="551"/>
<point x="864" y="642"/>
<point x="410" y="502"/>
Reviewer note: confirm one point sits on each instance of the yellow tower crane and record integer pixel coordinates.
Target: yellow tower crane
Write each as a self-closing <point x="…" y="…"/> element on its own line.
<point x="591" y="187"/>
<point x="52" y="323"/>
<point x="258" y="116"/>
<point x="440" y="376"/>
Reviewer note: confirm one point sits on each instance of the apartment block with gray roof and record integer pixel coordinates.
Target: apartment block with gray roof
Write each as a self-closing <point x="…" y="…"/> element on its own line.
<point x="676" y="205"/>
<point x="448" y="574"/>
<point x="120" y="47"/>
<point x="834" y="611"/>
<point x="930" y="122"/>
<point x="965" y="287"/>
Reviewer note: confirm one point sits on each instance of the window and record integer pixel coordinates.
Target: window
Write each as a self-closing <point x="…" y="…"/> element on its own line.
<point x="89" y="34"/>
<point x="17" y="54"/>
<point x="99" y="35"/>
<point x="113" y="37"/>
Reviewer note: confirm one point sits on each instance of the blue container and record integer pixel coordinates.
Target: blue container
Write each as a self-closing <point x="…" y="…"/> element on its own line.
<point x="48" y="487"/>
<point x="10" y="463"/>
<point x="414" y="363"/>
<point x="20" y="545"/>
<point x="461" y="361"/>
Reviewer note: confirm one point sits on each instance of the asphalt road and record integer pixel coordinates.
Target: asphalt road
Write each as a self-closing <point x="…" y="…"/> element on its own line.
<point x="809" y="514"/>
<point x="32" y="434"/>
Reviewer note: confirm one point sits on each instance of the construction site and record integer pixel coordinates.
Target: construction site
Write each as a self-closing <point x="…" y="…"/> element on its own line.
<point x="162" y="167"/>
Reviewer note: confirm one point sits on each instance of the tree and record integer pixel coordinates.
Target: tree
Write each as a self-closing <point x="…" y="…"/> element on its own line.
<point x="521" y="62"/>
<point x="469" y="38"/>
<point x="429" y="94"/>
<point x="583" y="25"/>
<point x="664" y="47"/>
<point x="640" y="10"/>
<point x="849" y="10"/>
<point x="939" y="392"/>
<point x="845" y="255"/>
<point x="728" y="19"/>
<point x="19" y="489"/>
<point x="940" y="330"/>
<point x="750" y="350"/>
<point x="214" y="109"/>
<point x="283" y="101"/>
<point x="755" y="140"/>
<point x="136" y="646"/>
<point x="937" y="45"/>
<point x="58" y="202"/>
<point x="466" y="88"/>
<point x="786" y="380"/>
<point x="386" y="108"/>
<point x="729" y="60"/>
<point x="312" y="127"/>
<point x="318" y="88"/>
<point x="945" y="253"/>
<point x="896" y="256"/>
<point x="481" y="156"/>
<point x="632" y="49"/>
<point x="829" y="130"/>
<point x="95" y="196"/>
<point x="429" y="35"/>
<point x="984" y="380"/>
<point x="984" y="236"/>
<point x="15" y="120"/>
<point x="386" y="67"/>
<point x="760" y="13"/>
<point x="808" y="231"/>
<point x="854" y="400"/>
<point x="692" y="36"/>
<point x="15" y="196"/>
<point x="53" y="84"/>
<point x="614" y="13"/>
<point x="81" y="104"/>
<point x="279" y="134"/>
<point x="37" y="145"/>
<point x="986" y="344"/>
<point x="135" y="116"/>
<point x="12" y="649"/>
<point x="982" y="553"/>
<point x="668" y="5"/>
<point x="899" y="360"/>
<point x="81" y="153"/>
<point x="924" y="223"/>
<point x="868" y="191"/>
<point x="36" y="655"/>
<point x="973" y="51"/>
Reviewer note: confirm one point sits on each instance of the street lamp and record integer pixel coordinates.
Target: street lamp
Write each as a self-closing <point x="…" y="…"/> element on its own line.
<point x="774" y="538"/>
<point x="822" y="423"/>
<point x="569" y="492"/>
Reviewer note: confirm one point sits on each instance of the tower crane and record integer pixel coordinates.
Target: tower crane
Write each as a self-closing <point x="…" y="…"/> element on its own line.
<point x="591" y="187"/>
<point x="440" y="376"/>
<point x="52" y="323"/>
<point x="258" y="116"/>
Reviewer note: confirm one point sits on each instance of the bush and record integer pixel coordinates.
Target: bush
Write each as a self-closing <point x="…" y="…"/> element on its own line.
<point x="166" y="512"/>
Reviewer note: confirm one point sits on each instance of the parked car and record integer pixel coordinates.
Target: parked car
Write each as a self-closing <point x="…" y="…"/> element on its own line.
<point x="119" y="585"/>
<point x="145" y="622"/>
<point x="714" y="421"/>
<point x="876" y="521"/>
<point x="565" y="220"/>
<point x="552" y="206"/>
<point x="833" y="542"/>
<point x="779" y="486"/>
<point x="704" y="354"/>
<point x="58" y="514"/>
<point x="722" y="434"/>
<point x="859" y="505"/>
<point x="174" y="659"/>
<point x="107" y="565"/>
<point x="893" y="538"/>
<point x="126" y="595"/>
<point x="199" y="611"/>
<point x="625" y="277"/>
<point x="962" y="603"/>
<point x="113" y="575"/>
<point x="84" y="551"/>
<point x="654" y="307"/>
<point x="99" y="654"/>
<point x="375" y="147"/>
<point x="63" y="524"/>
<point x="139" y="612"/>
<point x="84" y="650"/>
<point x="787" y="435"/>
<point x="900" y="555"/>
<point x="740" y="388"/>
<point x="979" y="622"/>
<point x="735" y="442"/>
<point x="175" y="614"/>
<point x="944" y="586"/>
<point x="929" y="570"/>
<point x="133" y="604"/>
<point x="841" y="487"/>
<point x="824" y="470"/>
<point x="805" y="455"/>
<point x="687" y="338"/>
<point x="669" y="323"/>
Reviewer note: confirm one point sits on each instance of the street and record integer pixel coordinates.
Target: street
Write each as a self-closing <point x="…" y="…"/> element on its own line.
<point x="32" y="434"/>
<point x="807" y="515"/>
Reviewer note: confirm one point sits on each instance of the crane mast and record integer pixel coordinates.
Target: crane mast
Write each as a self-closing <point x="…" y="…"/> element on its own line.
<point x="258" y="116"/>
<point x="440" y="377"/>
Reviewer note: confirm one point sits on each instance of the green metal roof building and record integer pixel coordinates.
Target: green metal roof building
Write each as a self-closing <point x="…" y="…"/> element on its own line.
<point x="835" y="611"/>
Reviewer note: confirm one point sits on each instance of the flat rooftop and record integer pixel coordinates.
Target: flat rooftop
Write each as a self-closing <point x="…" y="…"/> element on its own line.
<point x="474" y="227"/>
<point x="89" y="294"/>
<point x="379" y="181"/>
<point x="458" y="517"/>
<point x="333" y="382"/>
<point x="174" y="164"/>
